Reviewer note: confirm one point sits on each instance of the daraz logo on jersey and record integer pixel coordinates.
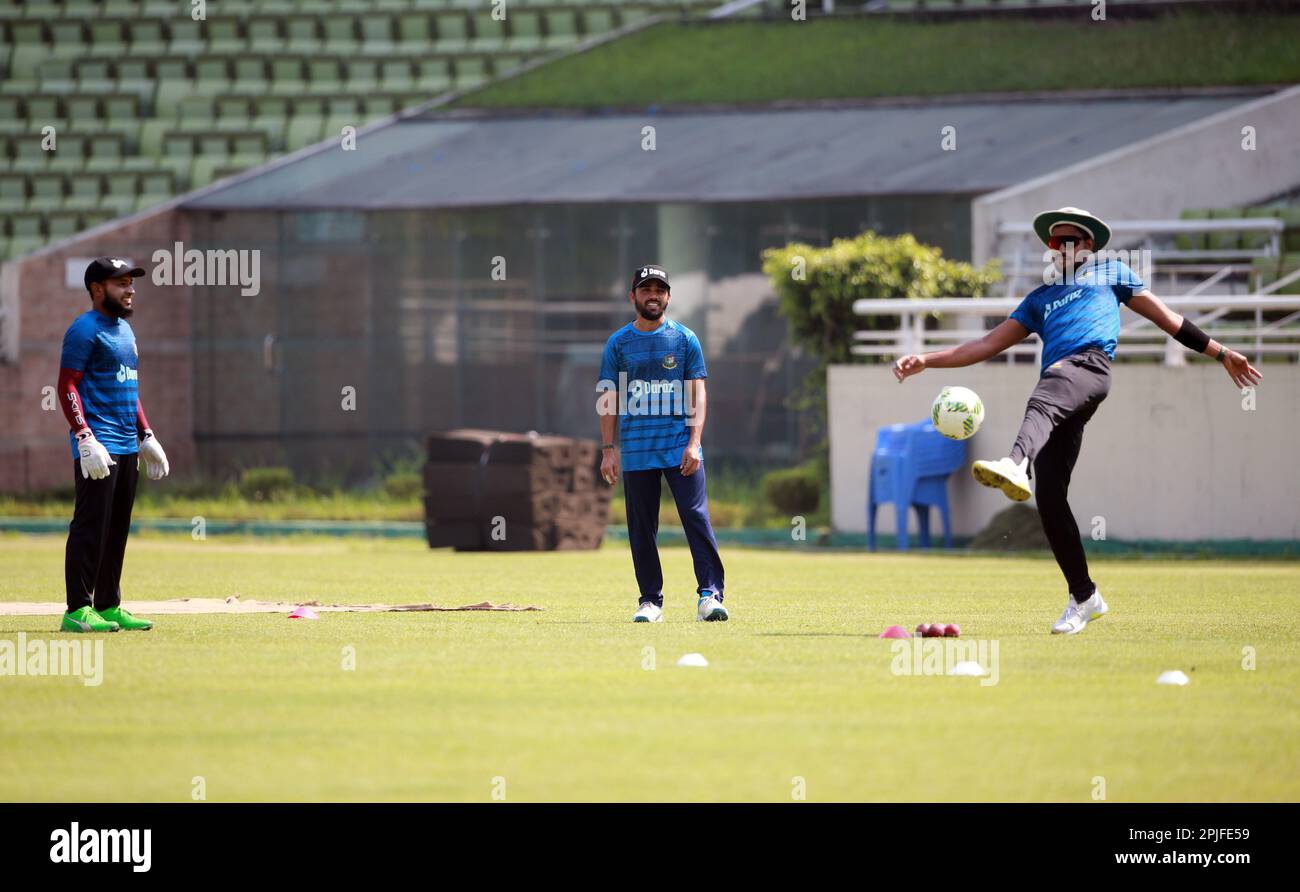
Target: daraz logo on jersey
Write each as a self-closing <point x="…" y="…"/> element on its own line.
<point x="1057" y="304"/>
<point x="124" y="374"/>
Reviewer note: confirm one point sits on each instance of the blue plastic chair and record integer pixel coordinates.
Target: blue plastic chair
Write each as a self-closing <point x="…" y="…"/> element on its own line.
<point x="910" y="469"/>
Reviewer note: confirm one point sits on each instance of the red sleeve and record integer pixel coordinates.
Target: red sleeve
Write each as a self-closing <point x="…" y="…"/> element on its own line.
<point x="70" y="399"/>
<point x="141" y="423"/>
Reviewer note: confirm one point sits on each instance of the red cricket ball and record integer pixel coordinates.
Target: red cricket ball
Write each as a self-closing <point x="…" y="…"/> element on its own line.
<point x="923" y="630"/>
<point x="934" y="631"/>
<point x="952" y="630"/>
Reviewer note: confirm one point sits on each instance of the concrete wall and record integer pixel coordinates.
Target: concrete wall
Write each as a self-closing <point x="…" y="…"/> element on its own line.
<point x="1201" y="164"/>
<point x="1171" y="454"/>
<point x="34" y="450"/>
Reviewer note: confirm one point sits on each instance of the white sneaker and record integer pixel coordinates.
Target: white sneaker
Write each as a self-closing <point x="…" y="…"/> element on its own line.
<point x="1006" y="475"/>
<point x="710" y="610"/>
<point x="1077" y="616"/>
<point x="648" y="612"/>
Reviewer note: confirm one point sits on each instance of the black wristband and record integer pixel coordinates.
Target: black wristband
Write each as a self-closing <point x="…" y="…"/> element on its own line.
<point x="1192" y="337"/>
<point x="607" y="446"/>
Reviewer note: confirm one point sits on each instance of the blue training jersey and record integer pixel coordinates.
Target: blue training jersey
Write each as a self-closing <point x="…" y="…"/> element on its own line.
<point x="1085" y="313"/>
<point x="649" y="369"/>
<point x="104" y="351"/>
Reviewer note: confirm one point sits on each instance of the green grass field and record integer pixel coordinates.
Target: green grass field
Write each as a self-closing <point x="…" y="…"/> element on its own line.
<point x="559" y="705"/>
<point x="749" y="62"/>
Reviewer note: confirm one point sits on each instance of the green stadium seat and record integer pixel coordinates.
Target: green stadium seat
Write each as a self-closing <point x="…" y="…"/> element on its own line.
<point x="234" y="107"/>
<point x="92" y="217"/>
<point x="377" y="37"/>
<point x="504" y="64"/>
<point x="304" y="34"/>
<point x="56" y="76"/>
<point x="70" y="152"/>
<point x="108" y="37"/>
<point x="148" y="38"/>
<point x="212" y="75"/>
<point x="68" y="38"/>
<point x="95" y="76"/>
<point x="340" y="35"/>
<point x="251" y="77"/>
<point x="363" y="75"/>
<point x="184" y="37"/>
<point x="525" y="31"/>
<point x="196" y="108"/>
<point x="350" y="105"/>
<point x="1258" y="241"/>
<point x="561" y="28"/>
<point x="151" y="135"/>
<point x="11" y="109"/>
<point x="396" y="75"/>
<point x="30" y="49"/>
<point x="1192" y="241"/>
<point x="28" y="154"/>
<point x="264" y="36"/>
<point x="13" y="193"/>
<point x="631" y="15"/>
<point x="84" y="189"/>
<point x="81" y="9"/>
<point x="82" y="110"/>
<point x="41" y="109"/>
<point x="303" y="130"/>
<point x="1228" y="240"/>
<point x="379" y="106"/>
<point x="224" y="37"/>
<point x="106" y="152"/>
<point x="597" y="21"/>
<point x="122" y="8"/>
<point x="288" y="77"/>
<point x="453" y="33"/>
<point x="46" y="192"/>
<point x="413" y="30"/>
<point x="434" y="75"/>
<point x="157" y="182"/>
<point x="63" y="224"/>
<point x="324" y="75"/>
<point x="120" y="105"/>
<point x="489" y="33"/>
<point x="471" y="71"/>
<point x="27" y="225"/>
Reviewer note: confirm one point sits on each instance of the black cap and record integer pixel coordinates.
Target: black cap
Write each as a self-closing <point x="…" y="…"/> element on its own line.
<point x="102" y="268"/>
<point x="646" y="273"/>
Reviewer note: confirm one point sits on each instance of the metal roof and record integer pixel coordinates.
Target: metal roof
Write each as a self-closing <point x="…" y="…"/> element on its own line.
<point x="740" y="155"/>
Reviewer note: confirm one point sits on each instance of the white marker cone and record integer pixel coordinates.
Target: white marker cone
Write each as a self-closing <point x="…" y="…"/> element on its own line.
<point x="693" y="660"/>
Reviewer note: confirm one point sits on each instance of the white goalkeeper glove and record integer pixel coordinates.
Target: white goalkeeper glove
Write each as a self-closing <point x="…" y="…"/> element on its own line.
<point x="155" y="460"/>
<point x="95" y="459"/>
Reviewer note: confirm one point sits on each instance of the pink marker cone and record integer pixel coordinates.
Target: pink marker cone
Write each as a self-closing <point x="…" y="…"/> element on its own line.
<point x="895" y="632"/>
<point x="304" y="613"/>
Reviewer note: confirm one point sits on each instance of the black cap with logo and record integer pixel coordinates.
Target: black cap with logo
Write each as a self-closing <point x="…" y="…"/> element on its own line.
<point x="103" y="268"/>
<point x="646" y="273"/>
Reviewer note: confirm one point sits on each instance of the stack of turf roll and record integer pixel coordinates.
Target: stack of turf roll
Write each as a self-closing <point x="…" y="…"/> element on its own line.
<point x="489" y="490"/>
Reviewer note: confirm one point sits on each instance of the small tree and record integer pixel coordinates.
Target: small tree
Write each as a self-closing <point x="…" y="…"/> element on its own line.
<point x="817" y="288"/>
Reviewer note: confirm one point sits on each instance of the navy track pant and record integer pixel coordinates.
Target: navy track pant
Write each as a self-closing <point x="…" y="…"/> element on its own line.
<point x="641" y="491"/>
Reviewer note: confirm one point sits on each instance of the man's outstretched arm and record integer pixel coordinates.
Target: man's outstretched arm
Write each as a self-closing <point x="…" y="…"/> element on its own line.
<point x="1007" y="334"/>
<point x="1185" y="332"/>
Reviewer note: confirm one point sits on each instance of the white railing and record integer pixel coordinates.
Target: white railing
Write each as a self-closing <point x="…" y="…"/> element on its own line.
<point x="1022" y="253"/>
<point x="974" y="316"/>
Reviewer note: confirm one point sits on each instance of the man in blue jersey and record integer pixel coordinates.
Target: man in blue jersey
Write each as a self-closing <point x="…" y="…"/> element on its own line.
<point x="652" y="382"/>
<point x="99" y="393"/>
<point x="1076" y="314"/>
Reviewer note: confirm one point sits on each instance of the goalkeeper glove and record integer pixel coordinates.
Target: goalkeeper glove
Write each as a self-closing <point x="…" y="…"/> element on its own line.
<point x="155" y="460"/>
<point x="95" y="459"/>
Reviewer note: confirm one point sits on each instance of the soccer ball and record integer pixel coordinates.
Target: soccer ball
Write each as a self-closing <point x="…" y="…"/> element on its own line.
<point x="957" y="412"/>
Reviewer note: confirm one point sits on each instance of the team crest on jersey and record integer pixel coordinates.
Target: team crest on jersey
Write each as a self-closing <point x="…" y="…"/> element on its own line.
<point x="670" y="361"/>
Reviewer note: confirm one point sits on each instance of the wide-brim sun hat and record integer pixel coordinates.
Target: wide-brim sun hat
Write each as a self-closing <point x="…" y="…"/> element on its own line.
<point x="1045" y="222"/>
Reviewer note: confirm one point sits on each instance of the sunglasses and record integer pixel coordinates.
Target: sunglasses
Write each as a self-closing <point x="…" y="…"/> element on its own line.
<point x="1057" y="242"/>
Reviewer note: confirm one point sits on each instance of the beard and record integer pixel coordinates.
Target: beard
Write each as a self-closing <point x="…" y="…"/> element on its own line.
<point x="649" y="315"/>
<point x="115" y="308"/>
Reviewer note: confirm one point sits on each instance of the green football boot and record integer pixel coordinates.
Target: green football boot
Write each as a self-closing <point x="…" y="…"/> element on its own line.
<point x="85" y="619"/>
<point x="126" y="621"/>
